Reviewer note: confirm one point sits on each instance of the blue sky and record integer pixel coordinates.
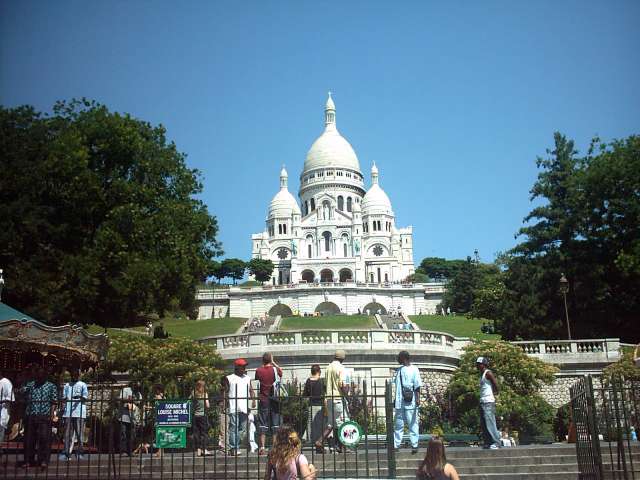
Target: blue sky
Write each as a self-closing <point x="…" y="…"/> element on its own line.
<point x="453" y="100"/>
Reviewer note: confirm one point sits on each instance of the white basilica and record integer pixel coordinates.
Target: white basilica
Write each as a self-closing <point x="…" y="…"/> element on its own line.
<point x="340" y="231"/>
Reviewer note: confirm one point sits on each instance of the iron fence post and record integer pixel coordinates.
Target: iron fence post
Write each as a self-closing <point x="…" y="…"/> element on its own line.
<point x="391" y="458"/>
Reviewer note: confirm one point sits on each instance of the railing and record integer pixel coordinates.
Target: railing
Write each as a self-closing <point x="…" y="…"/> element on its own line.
<point x="205" y="294"/>
<point x="562" y="350"/>
<point x="354" y="337"/>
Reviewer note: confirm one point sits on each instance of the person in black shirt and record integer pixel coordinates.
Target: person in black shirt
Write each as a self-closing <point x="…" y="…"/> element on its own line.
<point x="314" y="390"/>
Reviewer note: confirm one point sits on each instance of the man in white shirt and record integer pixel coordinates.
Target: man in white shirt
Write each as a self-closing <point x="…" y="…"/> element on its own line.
<point x="6" y="398"/>
<point x="74" y="394"/>
<point x="407" y="401"/>
<point x="238" y="394"/>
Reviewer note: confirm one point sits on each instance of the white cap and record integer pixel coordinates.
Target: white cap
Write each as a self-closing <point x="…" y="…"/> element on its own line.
<point x="482" y="360"/>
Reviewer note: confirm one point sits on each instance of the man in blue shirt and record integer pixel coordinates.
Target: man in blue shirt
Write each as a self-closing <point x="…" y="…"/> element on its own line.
<point x="75" y="394"/>
<point x="407" y="401"/>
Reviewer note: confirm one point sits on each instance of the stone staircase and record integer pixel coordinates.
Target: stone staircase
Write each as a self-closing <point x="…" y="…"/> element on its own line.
<point x="548" y="462"/>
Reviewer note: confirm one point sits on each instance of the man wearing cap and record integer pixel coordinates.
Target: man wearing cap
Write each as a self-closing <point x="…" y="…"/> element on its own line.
<point x="239" y="391"/>
<point x="336" y="390"/>
<point x="488" y="390"/>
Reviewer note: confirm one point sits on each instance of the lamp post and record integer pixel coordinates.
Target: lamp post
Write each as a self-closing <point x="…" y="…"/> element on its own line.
<point x="564" y="288"/>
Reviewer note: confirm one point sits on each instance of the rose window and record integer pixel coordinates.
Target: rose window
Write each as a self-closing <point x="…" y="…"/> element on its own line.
<point x="282" y="253"/>
<point x="377" y="250"/>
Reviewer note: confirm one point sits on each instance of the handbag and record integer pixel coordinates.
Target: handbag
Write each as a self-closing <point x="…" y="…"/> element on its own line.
<point x="407" y="393"/>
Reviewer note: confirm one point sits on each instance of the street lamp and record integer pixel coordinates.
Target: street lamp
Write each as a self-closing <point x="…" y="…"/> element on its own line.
<point x="564" y="288"/>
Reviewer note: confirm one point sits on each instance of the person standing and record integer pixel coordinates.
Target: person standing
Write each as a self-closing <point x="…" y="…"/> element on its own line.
<point x="6" y="399"/>
<point x="239" y="392"/>
<point x="127" y="420"/>
<point x="488" y="390"/>
<point x="41" y="397"/>
<point x="268" y="406"/>
<point x="314" y="391"/>
<point x="335" y="396"/>
<point x="407" y="401"/>
<point x="200" y="424"/>
<point x="75" y="394"/>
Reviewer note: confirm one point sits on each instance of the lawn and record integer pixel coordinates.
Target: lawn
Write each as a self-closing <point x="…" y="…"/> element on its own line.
<point x="329" y="322"/>
<point x="193" y="329"/>
<point x="457" y="325"/>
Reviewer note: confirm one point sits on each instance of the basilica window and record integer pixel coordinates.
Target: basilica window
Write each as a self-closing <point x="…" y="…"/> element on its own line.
<point x="279" y="229"/>
<point x="348" y="204"/>
<point x="377" y="250"/>
<point x="309" y="251"/>
<point x="283" y="254"/>
<point x="379" y="226"/>
<point x="306" y="207"/>
<point x="340" y="203"/>
<point x="313" y="204"/>
<point x="327" y="241"/>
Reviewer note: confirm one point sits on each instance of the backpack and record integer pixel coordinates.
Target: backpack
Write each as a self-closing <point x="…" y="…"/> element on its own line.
<point x="278" y="390"/>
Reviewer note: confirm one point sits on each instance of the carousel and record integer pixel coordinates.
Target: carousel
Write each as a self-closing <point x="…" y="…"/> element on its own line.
<point x="25" y="341"/>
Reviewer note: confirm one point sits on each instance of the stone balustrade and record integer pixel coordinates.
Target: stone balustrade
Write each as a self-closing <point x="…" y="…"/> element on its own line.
<point x="595" y="351"/>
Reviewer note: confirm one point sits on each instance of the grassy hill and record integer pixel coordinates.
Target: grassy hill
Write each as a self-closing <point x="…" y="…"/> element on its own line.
<point x="457" y="325"/>
<point x="185" y="328"/>
<point x="329" y="322"/>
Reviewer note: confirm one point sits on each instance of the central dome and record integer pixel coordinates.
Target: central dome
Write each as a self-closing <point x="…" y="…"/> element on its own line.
<point x="331" y="149"/>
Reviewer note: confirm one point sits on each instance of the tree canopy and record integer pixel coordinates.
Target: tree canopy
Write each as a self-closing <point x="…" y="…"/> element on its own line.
<point x="98" y="216"/>
<point x="260" y="269"/>
<point x="587" y="226"/>
<point x="234" y="268"/>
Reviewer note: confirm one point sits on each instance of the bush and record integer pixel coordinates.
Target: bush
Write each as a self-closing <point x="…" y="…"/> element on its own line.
<point x="519" y="406"/>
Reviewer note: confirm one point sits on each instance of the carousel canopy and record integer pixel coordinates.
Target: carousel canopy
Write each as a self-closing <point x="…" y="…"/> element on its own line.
<point x="68" y="344"/>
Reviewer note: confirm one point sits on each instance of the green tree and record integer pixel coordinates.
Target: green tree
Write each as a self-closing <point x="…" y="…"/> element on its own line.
<point x="234" y="268"/>
<point x="177" y="363"/>
<point x="587" y="226"/>
<point x="218" y="270"/>
<point x="520" y="378"/>
<point x="98" y="216"/>
<point x="439" y="268"/>
<point x="260" y="269"/>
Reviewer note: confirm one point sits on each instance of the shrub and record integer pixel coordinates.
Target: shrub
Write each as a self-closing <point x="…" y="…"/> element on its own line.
<point x="519" y="406"/>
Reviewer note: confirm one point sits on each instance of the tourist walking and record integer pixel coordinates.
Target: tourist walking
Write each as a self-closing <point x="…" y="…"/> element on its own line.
<point x="488" y="390"/>
<point x="336" y="391"/>
<point x="6" y="400"/>
<point x="314" y="391"/>
<point x="200" y="424"/>
<point x="239" y="394"/>
<point x="268" y="405"/>
<point x="41" y="397"/>
<point x="75" y="395"/>
<point x="407" y="402"/>
<point x="286" y="460"/>
<point x="435" y="466"/>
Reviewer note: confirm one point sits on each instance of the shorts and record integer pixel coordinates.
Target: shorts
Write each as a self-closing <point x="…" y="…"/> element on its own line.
<point x="337" y="416"/>
<point x="268" y="416"/>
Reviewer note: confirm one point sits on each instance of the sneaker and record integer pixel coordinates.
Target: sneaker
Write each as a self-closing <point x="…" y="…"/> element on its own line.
<point x="494" y="447"/>
<point x="63" y="457"/>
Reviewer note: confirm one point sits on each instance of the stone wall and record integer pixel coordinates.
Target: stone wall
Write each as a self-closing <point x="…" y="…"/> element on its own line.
<point x="435" y="382"/>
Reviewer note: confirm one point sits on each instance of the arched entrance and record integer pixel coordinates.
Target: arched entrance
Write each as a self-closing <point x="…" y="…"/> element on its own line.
<point x="346" y="275"/>
<point x="308" y="276"/>
<point x="328" y="308"/>
<point x="374" y="308"/>
<point x="326" y="276"/>
<point x="280" y="309"/>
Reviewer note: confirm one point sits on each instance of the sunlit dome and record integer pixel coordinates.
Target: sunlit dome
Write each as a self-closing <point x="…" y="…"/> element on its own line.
<point x="283" y="204"/>
<point x="376" y="200"/>
<point x="331" y="149"/>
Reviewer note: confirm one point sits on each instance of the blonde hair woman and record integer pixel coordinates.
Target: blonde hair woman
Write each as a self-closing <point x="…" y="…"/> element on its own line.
<point x="286" y="459"/>
<point x="435" y="466"/>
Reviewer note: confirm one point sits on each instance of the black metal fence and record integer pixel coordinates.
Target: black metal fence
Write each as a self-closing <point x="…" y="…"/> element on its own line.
<point x="116" y="433"/>
<point x="606" y="415"/>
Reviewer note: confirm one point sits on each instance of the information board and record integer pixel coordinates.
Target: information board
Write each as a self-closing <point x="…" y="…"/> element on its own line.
<point x="176" y="413"/>
<point x="171" y="437"/>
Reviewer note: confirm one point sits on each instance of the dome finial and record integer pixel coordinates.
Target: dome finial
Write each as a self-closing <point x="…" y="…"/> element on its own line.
<point x="374" y="174"/>
<point x="283" y="178"/>
<point x="330" y="114"/>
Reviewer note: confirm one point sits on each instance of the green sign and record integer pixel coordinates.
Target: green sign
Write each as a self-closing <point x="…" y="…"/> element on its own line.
<point x="350" y="434"/>
<point x="171" y="437"/>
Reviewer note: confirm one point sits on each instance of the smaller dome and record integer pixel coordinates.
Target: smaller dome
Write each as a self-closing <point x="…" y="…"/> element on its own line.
<point x="376" y="201"/>
<point x="283" y="205"/>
